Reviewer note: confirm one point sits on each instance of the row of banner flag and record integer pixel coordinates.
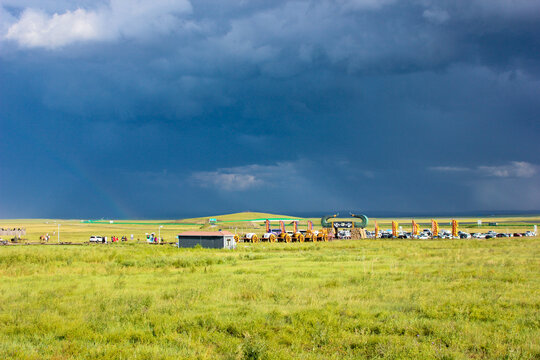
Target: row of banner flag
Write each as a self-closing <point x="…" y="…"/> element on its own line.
<point x="416" y="228"/>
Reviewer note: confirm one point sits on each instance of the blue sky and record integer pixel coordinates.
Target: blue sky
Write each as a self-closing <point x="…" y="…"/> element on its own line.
<point x="172" y="108"/>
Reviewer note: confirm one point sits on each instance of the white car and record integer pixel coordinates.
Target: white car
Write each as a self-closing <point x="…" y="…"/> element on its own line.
<point x="423" y="236"/>
<point x="97" y="239"/>
<point x="445" y="234"/>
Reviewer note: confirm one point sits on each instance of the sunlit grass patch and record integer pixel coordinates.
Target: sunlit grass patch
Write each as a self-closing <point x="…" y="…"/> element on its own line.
<point x="347" y="299"/>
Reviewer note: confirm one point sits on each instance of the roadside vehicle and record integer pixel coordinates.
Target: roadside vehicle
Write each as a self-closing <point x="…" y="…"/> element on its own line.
<point x="97" y="239"/>
<point x="296" y="235"/>
<point x="273" y="235"/>
<point x="251" y="237"/>
<point x="445" y="234"/>
<point x="423" y="236"/>
<point x="308" y="233"/>
<point x="518" y="235"/>
<point x="344" y="234"/>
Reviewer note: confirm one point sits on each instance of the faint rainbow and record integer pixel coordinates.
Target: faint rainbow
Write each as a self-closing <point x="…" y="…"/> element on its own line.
<point x="79" y="171"/>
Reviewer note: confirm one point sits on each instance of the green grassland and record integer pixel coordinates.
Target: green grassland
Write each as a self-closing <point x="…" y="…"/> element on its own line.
<point x="79" y="231"/>
<point x="445" y="299"/>
<point x="241" y="217"/>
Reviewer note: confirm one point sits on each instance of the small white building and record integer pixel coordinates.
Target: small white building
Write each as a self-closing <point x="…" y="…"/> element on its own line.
<point x="207" y="239"/>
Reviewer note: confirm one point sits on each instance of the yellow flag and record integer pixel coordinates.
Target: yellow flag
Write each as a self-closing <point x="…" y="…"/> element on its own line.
<point x="434" y="228"/>
<point x="414" y="228"/>
<point x="454" y="228"/>
<point x="376" y="230"/>
<point x="394" y="229"/>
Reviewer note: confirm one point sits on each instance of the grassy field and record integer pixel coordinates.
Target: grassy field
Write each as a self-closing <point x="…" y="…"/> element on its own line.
<point x="451" y="299"/>
<point x="80" y="231"/>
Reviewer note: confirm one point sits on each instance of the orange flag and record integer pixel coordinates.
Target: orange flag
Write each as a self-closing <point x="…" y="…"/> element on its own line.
<point x="282" y="226"/>
<point x="434" y="228"/>
<point x="454" y="228"/>
<point x="394" y="229"/>
<point x="414" y="228"/>
<point x="376" y="230"/>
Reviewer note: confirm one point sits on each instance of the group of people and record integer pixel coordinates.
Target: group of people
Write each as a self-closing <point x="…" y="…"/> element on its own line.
<point x="153" y="239"/>
<point x="45" y="238"/>
<point x="115" y="238"/>
<point x="13" y="231"/>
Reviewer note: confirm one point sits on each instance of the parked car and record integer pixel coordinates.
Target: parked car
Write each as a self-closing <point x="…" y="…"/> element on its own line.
<point x="97" y="239"/>
<point x="445" y="234"/>
<point x="344" y="234"/>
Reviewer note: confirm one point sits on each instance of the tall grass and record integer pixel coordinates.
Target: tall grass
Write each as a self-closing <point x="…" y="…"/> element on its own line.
<point x="338" y="300"/>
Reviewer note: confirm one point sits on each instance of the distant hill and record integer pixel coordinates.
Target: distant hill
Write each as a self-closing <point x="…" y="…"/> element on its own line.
<point x="239" y="217"/>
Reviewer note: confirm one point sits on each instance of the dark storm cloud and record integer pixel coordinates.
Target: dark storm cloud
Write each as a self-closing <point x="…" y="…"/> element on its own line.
<point x="161" y="106"/>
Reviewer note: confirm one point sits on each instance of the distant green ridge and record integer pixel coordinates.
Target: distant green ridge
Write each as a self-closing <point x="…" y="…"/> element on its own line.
<point x="180" y="223"/>
<point x="261" y="219"/>
<point x="134" y="223"/>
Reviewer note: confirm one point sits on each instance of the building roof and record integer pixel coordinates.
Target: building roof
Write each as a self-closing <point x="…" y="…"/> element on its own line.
<point x="205" y="233"/>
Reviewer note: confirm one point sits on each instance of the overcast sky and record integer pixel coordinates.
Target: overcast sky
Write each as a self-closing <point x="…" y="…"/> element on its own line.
<point x="167" y="108"/>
